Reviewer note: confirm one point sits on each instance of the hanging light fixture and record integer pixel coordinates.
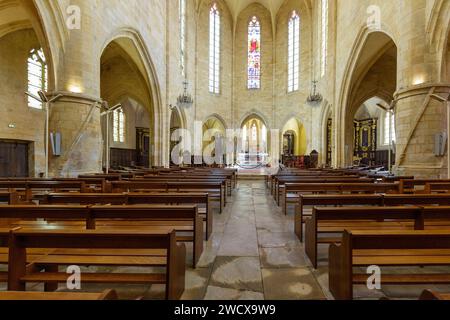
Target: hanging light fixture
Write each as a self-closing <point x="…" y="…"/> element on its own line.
<point x="314" y="97"/>
<point x="185" y="100"/>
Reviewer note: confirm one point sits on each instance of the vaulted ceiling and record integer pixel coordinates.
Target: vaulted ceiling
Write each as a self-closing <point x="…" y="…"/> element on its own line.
<point x="236" y="6"/>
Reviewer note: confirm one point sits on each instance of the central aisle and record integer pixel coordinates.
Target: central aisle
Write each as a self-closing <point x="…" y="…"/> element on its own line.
<point x="253" y="253"/>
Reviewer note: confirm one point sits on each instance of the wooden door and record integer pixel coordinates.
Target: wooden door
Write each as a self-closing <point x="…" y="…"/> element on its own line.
<point x="13" y="159"/>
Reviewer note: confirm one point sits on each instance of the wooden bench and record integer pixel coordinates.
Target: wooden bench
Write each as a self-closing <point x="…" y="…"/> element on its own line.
<point x="363" y="200"/>
<point x="442" y="187"/>
<point x="29" y="188"/>
<point x="201" y="199"/>
<point x="92" y="184"/>
<point x="280" y="182"/>
<point x="417" y="185"/>
<point x="330" y="200"/>
<point x="183" y="219"/>
<point x="228" y="180"/>
<point x="433" y="295"/>
<point x="291" y="192"/>
<point x="57" y="296"/>
<point x="89" y="248"/>
<point x="216" y="190"/>
<point x="9" y="197"/>
<point x="387" y="248"/>
<point x="330" y="223"/>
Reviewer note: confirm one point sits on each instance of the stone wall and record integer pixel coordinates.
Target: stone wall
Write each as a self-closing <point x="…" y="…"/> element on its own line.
<point x="29" y="123"/>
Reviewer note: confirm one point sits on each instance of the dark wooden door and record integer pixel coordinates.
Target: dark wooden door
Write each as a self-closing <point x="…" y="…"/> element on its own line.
<point x="13" y="159"/>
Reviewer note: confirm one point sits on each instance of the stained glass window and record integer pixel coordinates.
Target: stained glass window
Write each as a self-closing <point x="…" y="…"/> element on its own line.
<point x="119" y="126"/>
<point x="37" y="76"/>
<point x="214" y="50"/>
<point x="324" y="37"/>
<point x="183" y="37"/>
<point x="293" y="52"/>
<point x="254" y="54"/>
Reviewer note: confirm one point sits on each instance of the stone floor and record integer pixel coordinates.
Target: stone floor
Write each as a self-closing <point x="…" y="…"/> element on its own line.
<point x="253" y="254"/>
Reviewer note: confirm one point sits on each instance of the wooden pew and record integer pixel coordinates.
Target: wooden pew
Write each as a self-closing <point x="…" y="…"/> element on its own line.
<point x="170" y="179"/>
<point x="410" y="186"/>
<point x="30" y="187"/>
<point x="4" y="243"/>
<point x="433" y="295"/>
<point x="387" y="248"/>
<point x="281" y="181"/>
<point x="291" y="192"/>
<point x="363" y="200"/>
<point x="57" y="296"/>
<point x="9" y="197"/>
<point x="331" y="200"/>
<point x="88" y="242"/>
<point x="216" y="190"/>
<point x="334" y="221"/>
<point x="178" y="198"/>
<point x="92" y="184"/>
<point x="416" y="199"/>
<point x="165" y="217"/>
<point x="442" y="187"/>
<point x="153" y="217"/>
<point x="137" y="198"/>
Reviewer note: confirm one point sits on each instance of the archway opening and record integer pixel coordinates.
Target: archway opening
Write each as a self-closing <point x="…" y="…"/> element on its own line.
<point x="26" y="66"/>
<point x="175" y="124"/>
<point x="214" y="132"/>
<point x="123" y="81"/>
<point x="374" y="134"/>
<point x="374" y="75"/>
<point x="254" y="145"/>
<point x="294" y="138"/>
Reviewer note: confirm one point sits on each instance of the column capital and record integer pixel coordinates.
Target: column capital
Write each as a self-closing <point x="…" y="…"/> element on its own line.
<point x="421" y="89"/>
<point x="78" y="98"/>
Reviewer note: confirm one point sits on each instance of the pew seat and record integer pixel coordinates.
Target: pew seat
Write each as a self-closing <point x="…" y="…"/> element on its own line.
<point x="57" y="296"/>
<point x="46" y="269"/>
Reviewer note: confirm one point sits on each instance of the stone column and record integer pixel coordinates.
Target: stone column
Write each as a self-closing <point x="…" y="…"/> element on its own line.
<point x="418" y="119"/>
<point x="76" y="115"/>
<point x="77" y="118"/>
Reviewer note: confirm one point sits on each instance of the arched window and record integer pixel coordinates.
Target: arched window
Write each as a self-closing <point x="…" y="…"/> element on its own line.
<point x="254" y="54"/>
<point x="183" y="37"/>
<point x="119" y="126"/>
<point x="293" y="52"/>
<point x="324" y="37"/>
<point x="389" y="128"/>
<point x="254" y="133"/>
<point x="37" y="76"/>
<point x="214" y="50"/>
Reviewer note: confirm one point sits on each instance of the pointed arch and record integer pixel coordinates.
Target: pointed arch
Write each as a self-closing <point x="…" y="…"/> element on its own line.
<point x="133" y="44"/>
<point x="360" y="61"/>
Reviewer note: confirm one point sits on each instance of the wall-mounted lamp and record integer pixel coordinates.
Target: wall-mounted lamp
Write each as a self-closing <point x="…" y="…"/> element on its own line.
<point x="12" y="125"/>
<point x="418" y="80"/>
<point x="75" y="89"/>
